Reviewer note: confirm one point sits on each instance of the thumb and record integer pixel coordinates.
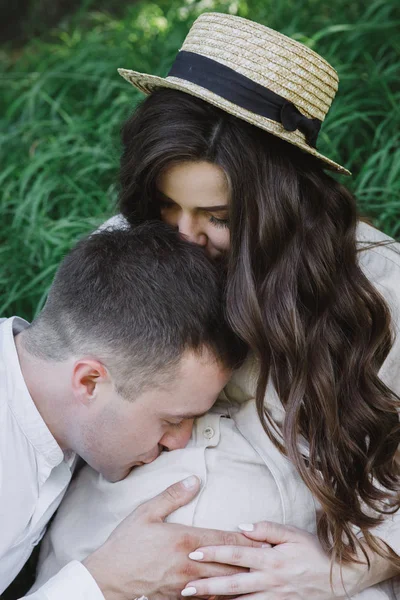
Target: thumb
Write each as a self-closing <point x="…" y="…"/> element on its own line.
<point x="273" y="533"/>
<point x="175" y="496"/>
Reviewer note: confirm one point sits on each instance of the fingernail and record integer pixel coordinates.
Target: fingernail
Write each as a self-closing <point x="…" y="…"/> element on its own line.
<point x="196" y="555"/>
<point x="190" y="482"/>
<point x="265" y="545"/>
<point x="190" y="591"/>
<point x="246" y="527"/>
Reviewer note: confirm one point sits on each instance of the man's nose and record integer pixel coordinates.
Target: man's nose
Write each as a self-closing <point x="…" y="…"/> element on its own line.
<point x="190" y="229"/>
<point x="175" y="439"/>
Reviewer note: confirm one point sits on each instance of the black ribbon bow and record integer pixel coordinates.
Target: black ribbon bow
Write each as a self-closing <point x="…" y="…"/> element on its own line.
<point x="292" y="119"/>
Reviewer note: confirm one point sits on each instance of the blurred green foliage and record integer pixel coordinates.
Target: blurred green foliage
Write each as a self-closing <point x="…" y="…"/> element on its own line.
<point x="62" y="104"/>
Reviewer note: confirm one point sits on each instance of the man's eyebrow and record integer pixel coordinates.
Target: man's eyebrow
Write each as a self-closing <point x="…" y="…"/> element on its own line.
<point x="189" y="415"/>
<point x="207" y="208"/>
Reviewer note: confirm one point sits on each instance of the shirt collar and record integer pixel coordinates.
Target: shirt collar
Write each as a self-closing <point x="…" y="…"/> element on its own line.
<point x="18" y="397"/>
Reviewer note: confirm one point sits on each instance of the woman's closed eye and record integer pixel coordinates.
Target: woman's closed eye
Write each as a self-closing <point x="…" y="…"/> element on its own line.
<point x="219" y="222"/>
<point x="166" y="204"/>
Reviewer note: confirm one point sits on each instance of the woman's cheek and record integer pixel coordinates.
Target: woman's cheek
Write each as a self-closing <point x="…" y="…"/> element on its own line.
<point x="168" y="217"/>
<point x="220" y="238"/>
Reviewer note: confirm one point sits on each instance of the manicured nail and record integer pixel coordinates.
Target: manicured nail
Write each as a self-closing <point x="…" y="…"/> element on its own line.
<point x="190" y="482"/>
<point x="190" y="591"/>
<point x="246" y="527"/>
<point x="196" y="555"/>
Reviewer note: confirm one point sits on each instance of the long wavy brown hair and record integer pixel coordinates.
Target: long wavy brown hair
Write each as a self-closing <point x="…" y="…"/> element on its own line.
<point x="297" y="295"/>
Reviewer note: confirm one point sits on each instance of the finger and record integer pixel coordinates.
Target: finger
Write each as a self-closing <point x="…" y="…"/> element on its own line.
<point x="217" y="570"/>
<point x="251" y="558"/>
<point x="215" y="537"/>
<point x="257" y="596"/>
<point x="273" y="533"/>
<point x="175" y="496"/>
<point x="235" y="585"/>
<point x="263" y="595"/>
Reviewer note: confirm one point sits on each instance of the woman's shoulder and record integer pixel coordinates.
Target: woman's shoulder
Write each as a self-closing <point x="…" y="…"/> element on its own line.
<point x="377" y="250"/>
<point x="115" y="222"/>
<point x="379" y="258"/>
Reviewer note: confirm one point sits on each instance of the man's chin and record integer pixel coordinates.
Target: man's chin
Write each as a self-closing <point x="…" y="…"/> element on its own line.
<point x="115" y="475"/>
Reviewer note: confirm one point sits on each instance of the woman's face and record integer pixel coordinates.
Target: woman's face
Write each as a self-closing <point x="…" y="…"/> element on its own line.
<point x="194" y="197"/>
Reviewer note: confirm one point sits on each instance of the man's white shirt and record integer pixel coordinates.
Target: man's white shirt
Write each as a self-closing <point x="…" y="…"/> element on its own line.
<point x="34" y="476"/>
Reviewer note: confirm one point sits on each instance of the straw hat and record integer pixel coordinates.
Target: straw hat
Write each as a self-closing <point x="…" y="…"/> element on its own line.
<point x="256" y="74"/>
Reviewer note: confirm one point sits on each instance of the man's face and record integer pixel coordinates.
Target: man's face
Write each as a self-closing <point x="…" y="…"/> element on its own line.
<point x="120" y="434"/>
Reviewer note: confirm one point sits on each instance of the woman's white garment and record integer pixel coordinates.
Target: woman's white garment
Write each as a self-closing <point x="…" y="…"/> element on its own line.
<point x="34" y="475"/>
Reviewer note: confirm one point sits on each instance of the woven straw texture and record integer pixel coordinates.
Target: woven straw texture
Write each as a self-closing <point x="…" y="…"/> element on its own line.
<point x="265" y="56"/>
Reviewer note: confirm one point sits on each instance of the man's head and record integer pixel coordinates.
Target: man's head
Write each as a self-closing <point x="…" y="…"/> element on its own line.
<point x="134" y="343"/>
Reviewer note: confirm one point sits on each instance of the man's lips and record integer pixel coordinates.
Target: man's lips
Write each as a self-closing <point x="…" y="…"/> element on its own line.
<point x="147" y="460"/>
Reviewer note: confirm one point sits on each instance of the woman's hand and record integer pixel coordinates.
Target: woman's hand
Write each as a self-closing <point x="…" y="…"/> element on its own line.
<point x="295" y="568"/>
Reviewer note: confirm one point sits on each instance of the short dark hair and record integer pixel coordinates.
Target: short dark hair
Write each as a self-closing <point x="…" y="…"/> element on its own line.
<point x="136" y="298"/>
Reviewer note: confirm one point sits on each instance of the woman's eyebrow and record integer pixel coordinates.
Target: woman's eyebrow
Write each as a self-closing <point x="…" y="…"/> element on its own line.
<point x="214" y="208"/>
<point x="207" y="208"/>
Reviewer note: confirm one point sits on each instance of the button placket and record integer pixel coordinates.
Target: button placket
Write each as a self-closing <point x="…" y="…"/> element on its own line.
<point x="207" y="430"/>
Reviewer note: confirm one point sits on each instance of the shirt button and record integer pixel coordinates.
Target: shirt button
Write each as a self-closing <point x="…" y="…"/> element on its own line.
<point x="208" y="433"/>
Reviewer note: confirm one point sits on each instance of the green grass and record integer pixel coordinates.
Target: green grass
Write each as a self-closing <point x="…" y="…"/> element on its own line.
<point x="62" y="104"/>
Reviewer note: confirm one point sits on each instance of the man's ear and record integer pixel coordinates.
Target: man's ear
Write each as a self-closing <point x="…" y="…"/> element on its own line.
<point x="86" y="375"/>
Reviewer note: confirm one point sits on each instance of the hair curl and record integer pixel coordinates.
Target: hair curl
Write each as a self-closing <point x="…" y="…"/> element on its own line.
<point x="298" y="297"/>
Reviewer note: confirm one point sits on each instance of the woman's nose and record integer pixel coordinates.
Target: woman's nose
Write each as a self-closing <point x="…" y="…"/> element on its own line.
<point x="190" y="228"/>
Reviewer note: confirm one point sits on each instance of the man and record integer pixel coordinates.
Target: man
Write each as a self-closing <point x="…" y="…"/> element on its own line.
<point x="130" y="346"/>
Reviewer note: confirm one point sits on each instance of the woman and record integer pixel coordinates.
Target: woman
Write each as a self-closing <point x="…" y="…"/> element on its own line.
<point x="224" y="149"/>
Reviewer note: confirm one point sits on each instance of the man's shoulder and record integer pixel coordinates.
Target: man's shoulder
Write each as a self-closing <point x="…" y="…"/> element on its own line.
<point x="3" y="320"/>
<point x="16" y="323"/>
<point x="9" y="328"/>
